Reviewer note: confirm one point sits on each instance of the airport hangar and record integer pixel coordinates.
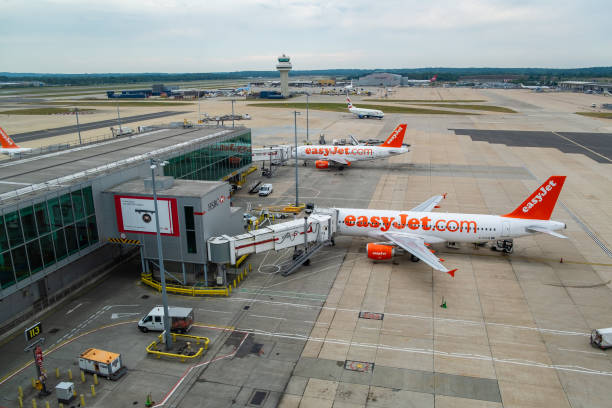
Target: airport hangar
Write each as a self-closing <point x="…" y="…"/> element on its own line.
<point x="60" y="212"/>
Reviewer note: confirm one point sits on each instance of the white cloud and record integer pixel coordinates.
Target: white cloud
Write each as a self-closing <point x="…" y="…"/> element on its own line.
<point x="216" y="35"/>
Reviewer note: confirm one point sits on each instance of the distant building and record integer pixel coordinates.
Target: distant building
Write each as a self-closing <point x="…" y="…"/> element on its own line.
<point x="582" y="86"/>
<point x="380" y="79"/>
<point x="325" y="82"/>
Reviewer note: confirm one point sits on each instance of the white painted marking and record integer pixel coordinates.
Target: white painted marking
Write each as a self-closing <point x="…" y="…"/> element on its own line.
<point x="122" y="315"/>
<point x="587" y="352"/>
<point x="215" y="311"/>
<point x="268" y="317"/>
<point x="74" y="308"/>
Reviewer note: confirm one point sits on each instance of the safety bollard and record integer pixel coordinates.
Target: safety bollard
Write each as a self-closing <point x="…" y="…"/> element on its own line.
<point x="82" y="400"/>
<point x="96" y="379"/>
<point x="234" y="283"/>
<point x="20" y="401"/>
<point x="33" y="383"/>
<point x="33" y="403"/>
<point x="20" y="391"/>
<point x="47" y="404"/>
<point x="57" y="375"/>
<point x="61" y="405"/>
<point x="93" y="390"/>
<point x="82" y="376"/>
<point x="250" y="267"/>
<point x="70" y="374"/>
<point x="74" y="392"/>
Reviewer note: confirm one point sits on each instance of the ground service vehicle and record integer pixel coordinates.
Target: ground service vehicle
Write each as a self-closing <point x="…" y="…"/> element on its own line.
<point x="265" y="190"/>
<point x="181" y="319"/>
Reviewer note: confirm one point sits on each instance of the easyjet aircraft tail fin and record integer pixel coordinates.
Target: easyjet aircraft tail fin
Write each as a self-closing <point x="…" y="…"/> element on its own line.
<point x="396" y="138"/>
<point x="434" y="78"/>
<point x="6" y="142"/>
<point x="541" y="203"/>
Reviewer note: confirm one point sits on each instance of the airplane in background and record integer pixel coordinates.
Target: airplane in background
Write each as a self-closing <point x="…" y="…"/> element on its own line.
<point x="536" y="88"/>
<point x="421" y="81"/>
<point x="345" y="155"/>
<point x="364" y="113"/>
<point x="349" y="87"/>
<point x="8" y="146"/>
<point x="414" y="230"/>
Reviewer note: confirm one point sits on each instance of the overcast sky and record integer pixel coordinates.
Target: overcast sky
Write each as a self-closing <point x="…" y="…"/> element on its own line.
<point x="93" y="36"/>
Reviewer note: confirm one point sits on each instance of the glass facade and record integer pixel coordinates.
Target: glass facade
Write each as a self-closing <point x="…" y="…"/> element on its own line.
<point x="38" y="236"/>
<point x="212" y="162"/>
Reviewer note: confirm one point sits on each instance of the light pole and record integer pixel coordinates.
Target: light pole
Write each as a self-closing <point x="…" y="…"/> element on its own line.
<point x="199" y="115"/>
<point x="233" y="112"/>
<point x="118" y="117"/>
<point x="295" y="115"/>
<point x="307" y="96"/>
<point x="162" y="272"/>
<point x="76" y="110"/>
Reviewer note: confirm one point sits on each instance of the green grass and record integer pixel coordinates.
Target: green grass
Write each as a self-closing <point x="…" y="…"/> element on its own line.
<point x="41" y="111"/>
<point x="602" y="115"/>
<point x="424" y="100"/>
<point x="341" y="107"/>
<point x="489" y="108"/>
<point x="112" y="103"/>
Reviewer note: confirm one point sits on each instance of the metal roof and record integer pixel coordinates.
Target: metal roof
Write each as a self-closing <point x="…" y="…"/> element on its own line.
<point x="34" y="175"/>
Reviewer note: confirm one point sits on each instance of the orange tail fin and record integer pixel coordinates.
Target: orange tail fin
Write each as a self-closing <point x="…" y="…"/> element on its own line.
<point x="541" y="203"/>
<point x="396" y="138"/>
<point x="6" y="141"/>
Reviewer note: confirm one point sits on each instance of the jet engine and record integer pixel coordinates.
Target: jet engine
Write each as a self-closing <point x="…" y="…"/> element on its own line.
<point x="380" y="252"/>
<point x="322" y="164"/>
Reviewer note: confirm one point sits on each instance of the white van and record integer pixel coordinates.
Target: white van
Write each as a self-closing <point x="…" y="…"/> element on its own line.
<point x="181" y="319"/>
<point x="602" y="338"/>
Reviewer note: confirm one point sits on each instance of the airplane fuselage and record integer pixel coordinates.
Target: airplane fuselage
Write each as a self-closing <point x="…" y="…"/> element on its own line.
<point x="349" y="153"/>
<point x="367" y="113"/>
<point x="16" y="150"/>
<point x="437" y="227"/>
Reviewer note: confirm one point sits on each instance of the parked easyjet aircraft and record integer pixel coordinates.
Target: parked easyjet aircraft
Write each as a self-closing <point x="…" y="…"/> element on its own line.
<point x="364" y="113"/>
<point x="8" y="146"/>
<point x="345" y="155"/>
<point x="415" y="229"/>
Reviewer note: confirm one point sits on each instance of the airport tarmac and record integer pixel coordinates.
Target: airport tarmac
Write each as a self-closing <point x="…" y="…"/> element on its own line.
<point x="515" y="329"/>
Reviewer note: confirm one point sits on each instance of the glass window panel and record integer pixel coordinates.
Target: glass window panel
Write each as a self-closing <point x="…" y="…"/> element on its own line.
<point x="55" y="213"/>
<point x="21" y="262"/>
<point x="67" y="214"/>
<point x="4" y="245"/>
<point x="59" y="241"/>
<point x="34" y="256"/>
<point x="46" y="245"/>
<point x="71" y="239"/>
<point x="77" y="204"/>
<point x="189" y="220"/>
<point x="89" y="203"/>
<point x="81" y="229"/>
<point x="6" y="270"/>
<point x="192" y="248"/>
<point x="92" y="230"/>
<point x="13" y="228"/>
<point x="42" y="218"/>
<point x="28" y="222"/>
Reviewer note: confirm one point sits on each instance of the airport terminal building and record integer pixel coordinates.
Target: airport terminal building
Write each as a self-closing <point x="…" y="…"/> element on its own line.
<point x="61" y="212"/>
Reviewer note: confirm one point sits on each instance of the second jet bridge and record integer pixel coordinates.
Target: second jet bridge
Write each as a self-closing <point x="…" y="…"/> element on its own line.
<point x="313" y="232"/>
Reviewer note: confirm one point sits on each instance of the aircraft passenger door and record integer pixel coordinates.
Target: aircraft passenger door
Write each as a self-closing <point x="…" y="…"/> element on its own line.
<point x="505" y="229"/>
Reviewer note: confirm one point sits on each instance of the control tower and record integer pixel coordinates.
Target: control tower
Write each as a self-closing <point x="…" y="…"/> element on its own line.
<point x="284" y="66"/>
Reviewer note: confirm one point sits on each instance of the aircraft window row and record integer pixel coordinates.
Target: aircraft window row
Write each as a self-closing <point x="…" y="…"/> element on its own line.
<point x="362" y="224"/>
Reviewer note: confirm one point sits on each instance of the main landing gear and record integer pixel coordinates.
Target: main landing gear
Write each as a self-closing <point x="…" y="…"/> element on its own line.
<point x="504" y="245"/>
<point x="414" y="258"/>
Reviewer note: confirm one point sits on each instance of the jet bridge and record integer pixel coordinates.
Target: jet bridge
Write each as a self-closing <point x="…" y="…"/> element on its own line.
<point x="313" y="232"/>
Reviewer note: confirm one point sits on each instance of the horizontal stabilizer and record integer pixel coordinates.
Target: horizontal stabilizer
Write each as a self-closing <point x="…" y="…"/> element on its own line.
<point x="545" y="231"/>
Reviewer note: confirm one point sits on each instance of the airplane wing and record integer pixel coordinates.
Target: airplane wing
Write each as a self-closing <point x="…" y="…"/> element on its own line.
<point x="340" y="160"/>
<point x="416" y="246"/>
<point x="429" y="204"/>
<point x="545" y="231"/>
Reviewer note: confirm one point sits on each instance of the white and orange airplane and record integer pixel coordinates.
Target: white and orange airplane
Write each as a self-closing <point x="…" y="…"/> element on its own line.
<point x="345" y="155"/>
<point x="414" y="230"/>
<point x="421" y="81"/>
<point x="8" y="146"/>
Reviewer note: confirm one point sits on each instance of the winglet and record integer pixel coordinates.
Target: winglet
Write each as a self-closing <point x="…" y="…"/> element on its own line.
<point x="396" y="138"/>
<point x="452" y="272"/>
<point x="541" y="203"/>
